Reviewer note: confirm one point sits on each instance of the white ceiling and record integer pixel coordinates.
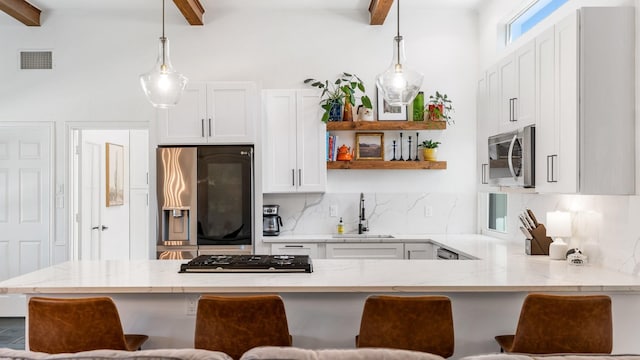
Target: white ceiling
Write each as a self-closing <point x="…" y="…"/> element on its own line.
<point x="210" y="4"/>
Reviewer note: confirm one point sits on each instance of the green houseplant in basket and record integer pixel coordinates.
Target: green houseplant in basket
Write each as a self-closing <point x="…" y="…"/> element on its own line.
<point x="430" y="149"/>
<point x="339" y="92"/>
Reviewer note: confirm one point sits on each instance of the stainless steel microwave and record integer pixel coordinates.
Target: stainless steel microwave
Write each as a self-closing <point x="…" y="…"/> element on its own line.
<point x="512" y="158"/>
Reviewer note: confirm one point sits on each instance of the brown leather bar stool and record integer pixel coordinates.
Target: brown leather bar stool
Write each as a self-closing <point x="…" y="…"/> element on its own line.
<point x="235" y="324"/>
<point x="420" y="323"/>
<point x="74" y="325"/>
<point x="562" y="324"/>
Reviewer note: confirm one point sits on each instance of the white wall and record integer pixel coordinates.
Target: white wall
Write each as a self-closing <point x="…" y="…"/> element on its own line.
<point x="99" y="53"/>
<point x="609" y="222"/>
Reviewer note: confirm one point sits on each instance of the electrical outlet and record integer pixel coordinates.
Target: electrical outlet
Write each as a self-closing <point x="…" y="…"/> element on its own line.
<point x="333" y="210"/>
<point x="191" y="305"/>
<point x="428" y="211"/>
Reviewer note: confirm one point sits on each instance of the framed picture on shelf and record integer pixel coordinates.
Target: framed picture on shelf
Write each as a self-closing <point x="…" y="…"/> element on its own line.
<point x="369" y="146"/>
<point x="388" y="112"/>
<point x="115" y="174"/>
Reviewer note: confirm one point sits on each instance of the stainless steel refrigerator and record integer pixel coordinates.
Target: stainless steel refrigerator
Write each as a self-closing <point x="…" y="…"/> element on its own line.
<point x="205" y="201"/>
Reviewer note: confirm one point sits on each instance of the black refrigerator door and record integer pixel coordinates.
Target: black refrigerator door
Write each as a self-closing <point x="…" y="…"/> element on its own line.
<point x="225" y="195"/>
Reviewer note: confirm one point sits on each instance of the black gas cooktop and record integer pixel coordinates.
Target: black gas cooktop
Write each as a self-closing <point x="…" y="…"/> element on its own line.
<point x="248" y="263"/>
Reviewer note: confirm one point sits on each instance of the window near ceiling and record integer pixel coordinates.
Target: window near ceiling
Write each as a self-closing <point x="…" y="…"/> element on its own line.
<point x="535" y="12"/>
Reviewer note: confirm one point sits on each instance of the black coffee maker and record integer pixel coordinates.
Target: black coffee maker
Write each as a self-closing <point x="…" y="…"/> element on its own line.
<point x="271" y="221"/>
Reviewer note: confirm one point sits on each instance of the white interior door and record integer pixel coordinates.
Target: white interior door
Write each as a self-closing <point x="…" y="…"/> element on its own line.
<point x="25" y="198"/>
<point x="89" y="244"/>
<point x="105" y="230"/>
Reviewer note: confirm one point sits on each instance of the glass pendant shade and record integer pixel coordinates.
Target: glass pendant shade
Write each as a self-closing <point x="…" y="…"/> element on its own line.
<point x="162" y="85"/>
<point x="399" y="84"/>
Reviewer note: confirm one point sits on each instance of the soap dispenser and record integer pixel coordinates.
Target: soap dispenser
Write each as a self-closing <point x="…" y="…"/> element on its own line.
<point x="340" y="227"/>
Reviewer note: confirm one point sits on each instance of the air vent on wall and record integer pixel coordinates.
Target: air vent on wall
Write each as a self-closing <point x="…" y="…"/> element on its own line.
<point x="41" y="60"/>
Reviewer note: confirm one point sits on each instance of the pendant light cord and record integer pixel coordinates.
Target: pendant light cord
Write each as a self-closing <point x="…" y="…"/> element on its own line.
<point x="397" y="15"/>
<point x="163" y="18"/>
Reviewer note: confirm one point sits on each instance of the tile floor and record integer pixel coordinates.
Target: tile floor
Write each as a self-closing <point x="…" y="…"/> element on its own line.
<point x="12" y="333"/>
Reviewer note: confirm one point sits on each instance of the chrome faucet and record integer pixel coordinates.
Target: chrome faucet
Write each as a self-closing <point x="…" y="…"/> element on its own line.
<point x="362" y="221"/>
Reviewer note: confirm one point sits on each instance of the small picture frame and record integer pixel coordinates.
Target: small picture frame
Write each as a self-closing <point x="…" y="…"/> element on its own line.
<point x="115" y="174"/>
<point x="369" y="146"/>
<point x="388" y="112"/>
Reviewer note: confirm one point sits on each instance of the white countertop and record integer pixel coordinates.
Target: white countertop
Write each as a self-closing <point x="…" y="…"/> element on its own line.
<point x="503" y="268"/>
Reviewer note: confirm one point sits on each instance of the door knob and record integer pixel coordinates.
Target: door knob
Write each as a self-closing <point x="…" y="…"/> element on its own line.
<point x="104" y="228"/>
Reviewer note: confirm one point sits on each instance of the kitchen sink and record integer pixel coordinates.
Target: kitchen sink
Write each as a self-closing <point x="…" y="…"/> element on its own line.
<point x="362" y="236"/>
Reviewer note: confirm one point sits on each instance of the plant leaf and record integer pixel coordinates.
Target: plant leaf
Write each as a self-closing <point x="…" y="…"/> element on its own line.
<point x="361" y="86"/>
<point x="366" y="102"/>
<point x="347" y="74"/>
<point x="308" y="81"/>
<point x="337" y="82"/>
<point x="325" y="117"/>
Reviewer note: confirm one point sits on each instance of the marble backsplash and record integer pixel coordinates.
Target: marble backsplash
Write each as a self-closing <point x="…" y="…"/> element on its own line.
<point x="387" y="213"/>
<point x="606" y="225"/>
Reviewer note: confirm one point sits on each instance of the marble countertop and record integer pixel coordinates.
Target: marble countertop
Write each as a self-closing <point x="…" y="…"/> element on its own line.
<point x="503" y="267"/>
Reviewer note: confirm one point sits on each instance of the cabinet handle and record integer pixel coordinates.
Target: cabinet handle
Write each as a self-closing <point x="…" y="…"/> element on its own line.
<point x="512" y="109"/>
<point x="484" y="173"/>
<point x="408" y="254"/>
<point x="299" y="177"/>
<point x="551" y="174"/>
<point x="202" y="127"/>
<point x="515" y="109"/>
<point x="209" y="127"/>
<point x="293" y="177"/>
<point x="293" y="246"/>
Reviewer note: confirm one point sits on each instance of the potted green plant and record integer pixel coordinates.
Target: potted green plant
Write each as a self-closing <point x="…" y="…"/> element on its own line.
<point x="439" y="108"/>
<point x="341" y="91"/>
<point x="430" y="149"/>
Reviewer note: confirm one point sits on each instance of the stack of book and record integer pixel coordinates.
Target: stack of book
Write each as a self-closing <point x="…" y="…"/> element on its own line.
<point x="332" y="147"/>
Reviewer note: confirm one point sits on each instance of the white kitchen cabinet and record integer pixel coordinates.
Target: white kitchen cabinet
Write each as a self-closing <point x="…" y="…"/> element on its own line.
<point x="139" y="158"/>
<point x="415" y="251"/>
<point x="310" y="249"/>
<point x="365" y="251"/>
<point x="516" y="74"/>
<point x="486" y="121"/>
<point x="294" y="142"/>
<point x="587" y="145"/>
<point x="139" y="194"/>
<point x="216" y="112"/>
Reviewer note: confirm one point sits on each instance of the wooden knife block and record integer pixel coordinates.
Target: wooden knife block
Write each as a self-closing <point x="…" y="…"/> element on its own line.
<point x="540" y="242"/>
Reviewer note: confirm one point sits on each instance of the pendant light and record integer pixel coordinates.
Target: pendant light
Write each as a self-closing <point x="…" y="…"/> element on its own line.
<point x="399" y="84"/>
<point x="163" y="85"/>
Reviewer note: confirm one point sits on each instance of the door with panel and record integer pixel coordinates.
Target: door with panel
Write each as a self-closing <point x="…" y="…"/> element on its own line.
<point x="25" y="197"/>
<point x="547" y="127"/>
<point x="185" y="123"/>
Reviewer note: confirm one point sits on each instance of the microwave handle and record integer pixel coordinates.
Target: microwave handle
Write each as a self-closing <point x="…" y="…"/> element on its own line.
<point x="510" y="155"/>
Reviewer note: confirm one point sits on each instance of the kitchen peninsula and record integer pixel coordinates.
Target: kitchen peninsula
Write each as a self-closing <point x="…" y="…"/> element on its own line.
<point x="324" y="307"/>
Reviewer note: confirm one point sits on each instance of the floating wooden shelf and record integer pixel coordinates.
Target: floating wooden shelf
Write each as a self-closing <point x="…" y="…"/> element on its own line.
<point x="376" y="164"/>
<point x="386" y="125"/>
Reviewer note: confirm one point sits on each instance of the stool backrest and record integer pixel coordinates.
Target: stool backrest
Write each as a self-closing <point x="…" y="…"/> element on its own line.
<point x="421" y="323"/>
<point x="235" y="324"/>
<point x="74" y="325"/>
<point x="564" y="324"/>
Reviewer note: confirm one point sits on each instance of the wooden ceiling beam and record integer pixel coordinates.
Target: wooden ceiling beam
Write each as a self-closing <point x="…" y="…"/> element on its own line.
<point x="379" y="10"/>
<point x="21" y="11"/>
<point x="192" y="10"/>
